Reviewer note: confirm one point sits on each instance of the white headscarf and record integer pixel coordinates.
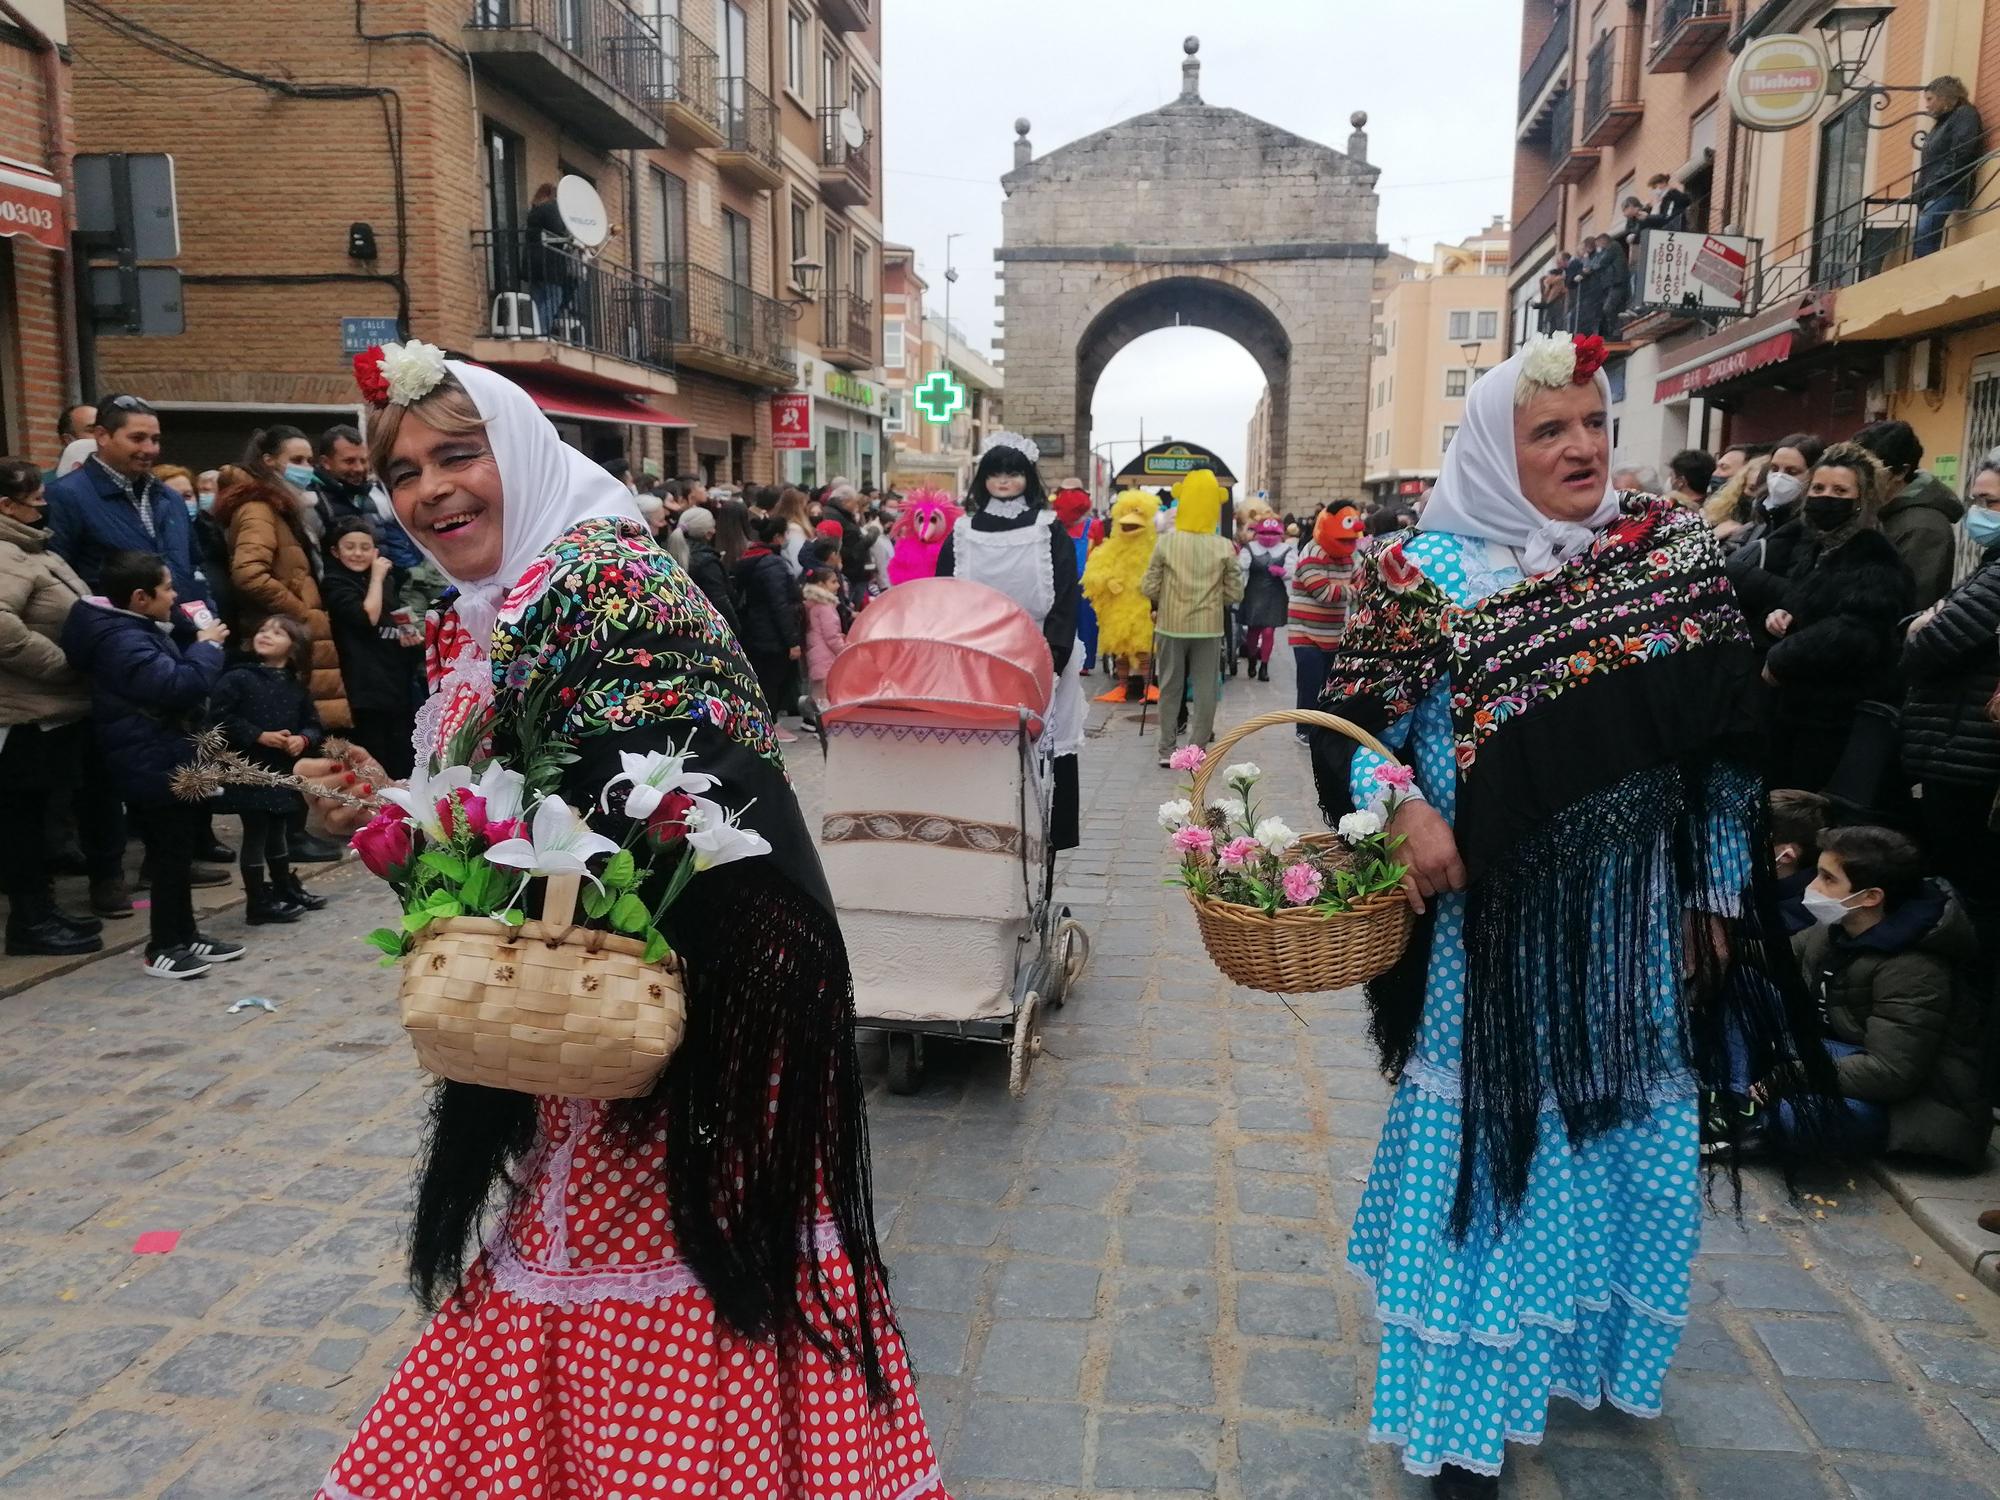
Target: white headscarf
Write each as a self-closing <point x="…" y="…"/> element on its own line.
<point x="1479" y="492"/>
<point x="74" y="454"/>
<point x="546" y="487"/>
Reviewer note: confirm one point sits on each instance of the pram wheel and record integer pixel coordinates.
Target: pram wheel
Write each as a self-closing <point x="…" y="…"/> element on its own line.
<point x="1072" y="954"/>
<point x="906" y="1062"/>
<point x="1027" y="1045"/>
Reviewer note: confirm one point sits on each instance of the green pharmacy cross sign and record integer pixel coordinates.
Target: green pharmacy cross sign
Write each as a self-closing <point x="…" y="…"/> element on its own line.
<point x="940" y="398"/>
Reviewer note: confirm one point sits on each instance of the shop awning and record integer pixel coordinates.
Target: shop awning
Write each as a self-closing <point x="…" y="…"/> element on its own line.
<point x="1956" y="285"/>
<point x="31" y="206"/>
<point x="561" y="396"/>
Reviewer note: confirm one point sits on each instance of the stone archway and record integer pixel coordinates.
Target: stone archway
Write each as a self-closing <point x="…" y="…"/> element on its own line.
<point x="1195" y="214"/>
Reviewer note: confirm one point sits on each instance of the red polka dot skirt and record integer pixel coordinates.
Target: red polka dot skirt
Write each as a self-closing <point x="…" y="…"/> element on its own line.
<point x="583" y="1361"/>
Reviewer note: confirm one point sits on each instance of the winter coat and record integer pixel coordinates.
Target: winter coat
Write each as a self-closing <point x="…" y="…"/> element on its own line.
<point x="271" y="568"/>
<point x="148" y="695"/>
<point x="377" y="671"/>
<point x="1950" y="149"/>
<point x="37" y="592"/>
<point x="253" y="699"/>
<point x="1951" y="668"/>
<point x="1906" y="992"/>
<point x="1266" y="602"/>
<point x="1770" y="553"/>
<point x="90" y="518"/>
<point x="769" y="609"/>
<point x="825" y="639"/>
<point x="855" y="553"/>
<point x="211" y="555"/>
<point x="704" y="566"/>
<point x="1923" y="523"/>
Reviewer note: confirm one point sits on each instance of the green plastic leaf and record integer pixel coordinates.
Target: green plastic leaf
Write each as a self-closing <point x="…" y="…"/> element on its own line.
<point x="477" y="890"/>
<point x="630" y="914"/>
<point x="513" y="916"/>
<point x="623" y="871"/>
<point x="445" y="906"/>
<point x="656" y="945"/>
<point x="416" y="921"/>
<point x="449" y="866"/>
<point x="388" y="940"/>
<point x="596" y="903"/>
<point x="388" y="963"/>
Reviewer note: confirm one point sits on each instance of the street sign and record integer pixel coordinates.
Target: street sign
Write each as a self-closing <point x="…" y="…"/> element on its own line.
<point x="359" y="335"/>
<point x="792" y="420"/>
<point x="141" y="300"/>
<point x="31" y="205"/>
<point x="125" y="205"/>
<point x="1693" y="272"/>
<point x="940" y="398"/>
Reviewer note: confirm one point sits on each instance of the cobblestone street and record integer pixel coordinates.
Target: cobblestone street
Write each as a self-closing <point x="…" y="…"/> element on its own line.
<point x="1128" y="1283"/>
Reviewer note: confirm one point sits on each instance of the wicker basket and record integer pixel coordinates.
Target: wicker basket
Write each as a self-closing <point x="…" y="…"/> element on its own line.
<point x="1299" y="951"/>
<point x="544" y="1008"/>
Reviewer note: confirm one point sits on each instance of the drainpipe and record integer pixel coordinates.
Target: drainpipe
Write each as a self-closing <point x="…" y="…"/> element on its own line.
<point x="60" y="157"/>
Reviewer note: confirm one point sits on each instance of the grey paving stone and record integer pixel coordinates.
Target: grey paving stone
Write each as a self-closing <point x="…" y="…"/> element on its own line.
<point x="1184" y="1075"/>
<point x="42" y="1281"/>
<point x="1300" y="1463"/>
<point x="1033" y="1359"/>
<point x="1279" y="1377"/>
<point x="1033" y="1442"/>
<point x="969" y="1182"/>
<point x="370" y="1317"/>
<point x="1816" y="1349"/>
<point x="108" y="1455"/>
<point x="1072" y="1187"/>
<point x="1772" y="1286"/>
<point x="53" y="1210"/>
<point x="1707" y="1348"/>
<point x="1730" y="1414"/>
<point x="1177" y="1151"/>
<point x="1277" y="1156"/>
<point x="220" y="1364"/>
<point x="1858" y="1240"/>
<point x="1353" y="1083"/>
<point x="1279" y="1249"/>
<point x="1984" y="1416"/>
<point x="1178" y="1109"/>
<point x="297" y="1400"/>
<point x="1274" y="1116"/>
<point x="1276" y="1196"/>
<point x="1167" y="1242"/>
<point x="1866" y="1483"/>
<point x="28" y="1422"/>
<point x="934" y="1282"/>
<point x="930" y="1223"/>
<point x="1029" y="1289"/>
<point x="1953" y="1361"/>
<point x="1173" y="1299"/>
<point x="1599" y="1473"/>
<point x="1259" y="1049"/>
<point x="1351" y="1117"/>
<point x="937" y="1340"/>
<point x="1185" y="1197"/>
<point x="259" y="1461"/>
<point x="1062" y="1233"/>
<point x="1152" y="1363"/>
<point x="336" y="1356"/>
<point x="299" y="1301"/>
<point x="1284" y="1309"/>
<point x="1725" y="1236"/>
<point x="259" y="1229"/>
<point x="1193" y="1045"/>
<point x="78" y="1362"/>
<point x="1870" y="1421"/>
<point x="1158" y="1452"/>
<point x="1904" y="1299"/>
<point x="1081" y="1143"/>
<point x="1753" y="1476"/>
<point x="178" y="1286"/>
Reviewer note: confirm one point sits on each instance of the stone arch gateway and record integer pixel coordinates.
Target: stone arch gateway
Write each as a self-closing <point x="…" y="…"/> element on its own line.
<point x="1195" y="215"/>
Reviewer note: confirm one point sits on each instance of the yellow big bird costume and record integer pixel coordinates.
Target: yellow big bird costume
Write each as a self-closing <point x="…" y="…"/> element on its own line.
<point x="1111" y="583"/>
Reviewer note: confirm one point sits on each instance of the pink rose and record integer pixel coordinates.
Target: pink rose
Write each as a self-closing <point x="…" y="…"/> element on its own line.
<point x="1194" y="841"/>
<point x="1400" y="778"/>
<point x="527" y="591"/>
<point x="384" y="843"/>
<point x="1187" y="758"/>
<point x="1241" y="853"/>
<point x="510" y="828"/>
<point x="1301" y="884"/>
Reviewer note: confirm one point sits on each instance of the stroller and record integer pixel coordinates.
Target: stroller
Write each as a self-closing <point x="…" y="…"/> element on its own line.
<point x="936" y="826"/>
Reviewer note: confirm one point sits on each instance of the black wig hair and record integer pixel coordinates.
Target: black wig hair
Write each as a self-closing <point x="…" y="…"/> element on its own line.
<point x="1006" y="460"/>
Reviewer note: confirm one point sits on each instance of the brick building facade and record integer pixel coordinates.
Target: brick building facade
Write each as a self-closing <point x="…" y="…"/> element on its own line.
<point x="38" y="376"/>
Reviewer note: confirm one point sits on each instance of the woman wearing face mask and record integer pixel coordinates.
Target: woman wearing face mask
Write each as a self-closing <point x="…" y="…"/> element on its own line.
<point x="272" y="568"/>
<point x="1837" y="631"/>
<point x="1772" y="544"/>
<point x="1951" y="746"/>
<point x="1733" y="507"/>
<point x="284" y="456"/>
<point x="211" y="542"/>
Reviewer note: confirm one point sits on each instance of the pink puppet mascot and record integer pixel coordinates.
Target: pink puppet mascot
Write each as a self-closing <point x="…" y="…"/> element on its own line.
<point x="927" y="519"/>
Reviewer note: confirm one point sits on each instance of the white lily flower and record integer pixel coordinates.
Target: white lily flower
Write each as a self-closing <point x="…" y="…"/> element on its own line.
<point x="505" y="792"/>
<point x="1360" y="825"/>
<point x="559" y="842"/>
<point x="1274" y="835"/>
<point x="1176" y="814"/>
<point x="419" y="797"/>
<point x="1243" y="770"/>
<point x="652" y="778"/>
<point x="716" y="839"/>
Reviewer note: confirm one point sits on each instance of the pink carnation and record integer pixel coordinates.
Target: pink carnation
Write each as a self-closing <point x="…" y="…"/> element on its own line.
<point x="1240" y="853"/>
<point x="1193" y="840"/>
<point x="1187" y="758"/>
<point x="1301" y="883"/>
<point x="1401" y="778"/>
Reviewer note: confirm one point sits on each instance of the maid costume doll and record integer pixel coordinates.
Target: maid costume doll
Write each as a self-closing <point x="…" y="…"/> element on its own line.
<point x="1009" y="540"/>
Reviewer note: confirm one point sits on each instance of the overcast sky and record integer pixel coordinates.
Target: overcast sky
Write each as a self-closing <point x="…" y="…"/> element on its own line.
<point x="1437" y="77"/>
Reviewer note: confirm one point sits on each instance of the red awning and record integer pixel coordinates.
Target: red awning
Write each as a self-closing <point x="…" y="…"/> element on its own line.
<point x="31" y="205"/>
<point x="1766" y="351"/>
<point x="586" y="403"/>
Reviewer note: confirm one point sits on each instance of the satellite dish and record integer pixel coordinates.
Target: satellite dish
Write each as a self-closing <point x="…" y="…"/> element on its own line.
<point x="583" y="212"/>
<point x="852" y="131"/>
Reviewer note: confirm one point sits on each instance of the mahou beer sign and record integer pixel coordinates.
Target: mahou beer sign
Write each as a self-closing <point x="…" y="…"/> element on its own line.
<point x="1779" y="82"/>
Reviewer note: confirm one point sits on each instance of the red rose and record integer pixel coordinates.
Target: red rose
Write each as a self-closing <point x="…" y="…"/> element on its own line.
<point x="510" y="828"/>
<point x="368" y="375"/>
<point x="1590" y="356"/>
<point x="384" y="844"/>
<point x="668" y="824"/>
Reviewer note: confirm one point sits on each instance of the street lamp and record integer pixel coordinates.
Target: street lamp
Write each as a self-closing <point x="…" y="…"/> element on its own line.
<point x="1851" y="32"/>
<point x="805" y="276"/>
<point x="1471" y="350"/>
<point x="950" y="281"/>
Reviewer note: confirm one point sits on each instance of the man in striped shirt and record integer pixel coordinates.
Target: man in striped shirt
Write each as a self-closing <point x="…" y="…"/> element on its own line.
<point x="1191" y="580"/>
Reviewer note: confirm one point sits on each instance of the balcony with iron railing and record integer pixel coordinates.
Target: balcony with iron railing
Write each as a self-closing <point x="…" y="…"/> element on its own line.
<point x="536" y="291"/>
<point x="848" y="15"/>
<point x="1684" y="30"/>
<point x="591" y="64"/>
<point x="724" y="327"/>
<point x="846" y="176"/>
<point x="748" y="152"/>
<point x="847" y="330"/>
<point x="1569" y="160"/>
<point x="1611" y="101"/>
<point x="1549" y="59"/>
<point x="686" y="99"/>
<point x="1537" y="223"/>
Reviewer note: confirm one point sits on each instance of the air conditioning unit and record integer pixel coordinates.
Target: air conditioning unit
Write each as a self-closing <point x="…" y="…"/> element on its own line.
<point x="515" y="316"/>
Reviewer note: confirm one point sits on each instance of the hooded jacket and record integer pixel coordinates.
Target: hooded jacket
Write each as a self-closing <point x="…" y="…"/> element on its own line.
<point x="1905" y="993"/>
<point x="1922" y="521"/>
<point x="37" y="592"/>
<point x="825" y="639"/>
<point x="270" y="566"/>
<point x="767" y="606"/>
<point x="1952" y="668"/>
<point x="148" y="694"/>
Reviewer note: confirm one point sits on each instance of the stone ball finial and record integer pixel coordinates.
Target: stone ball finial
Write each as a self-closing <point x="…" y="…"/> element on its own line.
<point x="1021" y="126"/>
<point x="1359" y="119"/>
<point x="1191" y="46"/>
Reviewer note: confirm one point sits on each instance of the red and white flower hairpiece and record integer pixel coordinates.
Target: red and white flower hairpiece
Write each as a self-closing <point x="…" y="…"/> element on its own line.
<point x="1555" y="360"/>
<point x="399" y="374"/>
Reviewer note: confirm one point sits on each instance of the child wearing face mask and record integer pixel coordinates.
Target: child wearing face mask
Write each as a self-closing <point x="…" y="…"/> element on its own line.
<point x="1890" y="959"/>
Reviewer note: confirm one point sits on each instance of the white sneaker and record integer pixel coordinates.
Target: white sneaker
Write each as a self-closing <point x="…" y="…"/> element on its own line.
<point x="175" y="963"/>
<point x="216" y="950"/>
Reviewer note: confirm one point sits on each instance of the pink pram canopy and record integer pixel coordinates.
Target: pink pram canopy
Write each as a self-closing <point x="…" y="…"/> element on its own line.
<point x="943" y="652"/>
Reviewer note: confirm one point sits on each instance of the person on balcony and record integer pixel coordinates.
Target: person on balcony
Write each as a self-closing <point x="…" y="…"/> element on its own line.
<point x="1944" y="180"/>
<point x="1670" y="202"/>
<point x="549" y="261"/>
<point x="1606" y="287"/>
